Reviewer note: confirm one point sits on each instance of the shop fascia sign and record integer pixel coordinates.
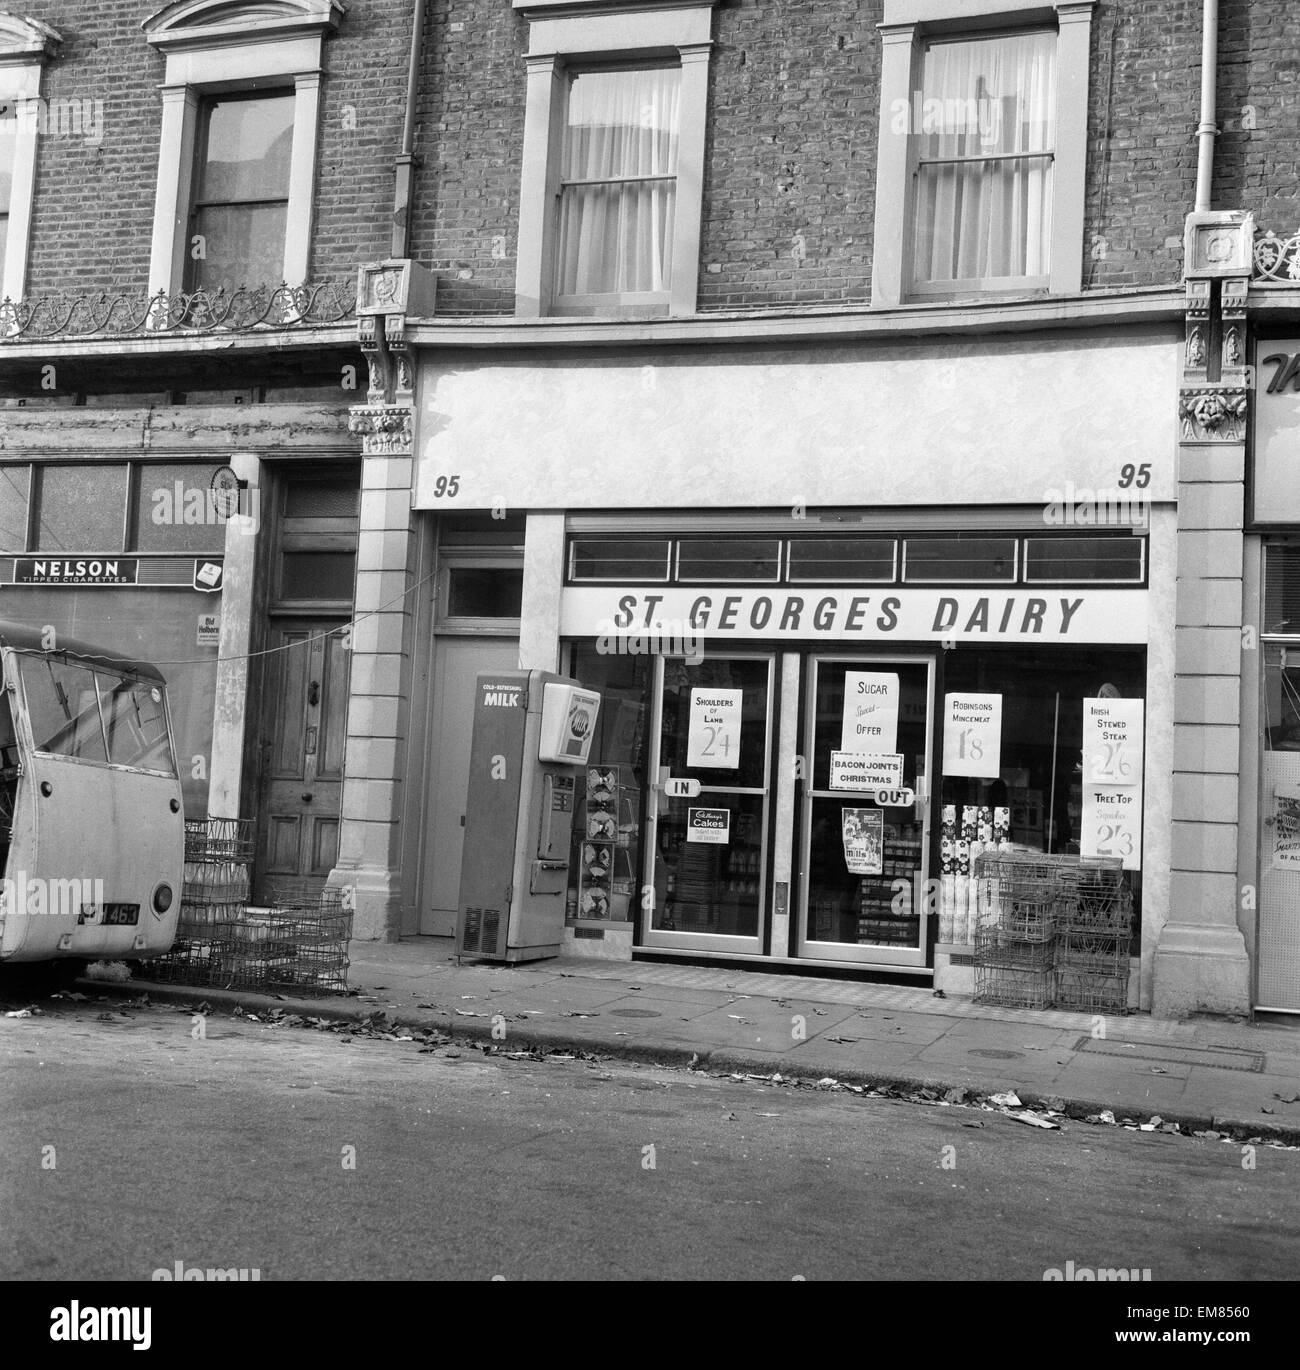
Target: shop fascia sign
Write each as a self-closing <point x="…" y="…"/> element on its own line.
<point x="663" y="620"/>
<point x="1275" y="473"/>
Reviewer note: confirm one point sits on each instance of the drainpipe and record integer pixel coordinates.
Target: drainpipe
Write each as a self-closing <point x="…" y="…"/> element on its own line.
<point x="405" y="167"/>
<point x="1207" y="129"/>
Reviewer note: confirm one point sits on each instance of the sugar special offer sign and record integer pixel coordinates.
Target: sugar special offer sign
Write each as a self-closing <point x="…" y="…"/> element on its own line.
<point x="1112" y="780"/>
<point x="870" y="712"/>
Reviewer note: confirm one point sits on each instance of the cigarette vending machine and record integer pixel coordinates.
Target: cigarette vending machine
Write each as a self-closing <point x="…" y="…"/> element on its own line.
<point x="532" y="731"/>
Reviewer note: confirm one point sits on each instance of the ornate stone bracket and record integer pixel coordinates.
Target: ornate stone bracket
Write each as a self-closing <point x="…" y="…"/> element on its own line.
<point x="386" y="293"/>
<point x="385" y="429"/>
<point x="1212" y="414"/>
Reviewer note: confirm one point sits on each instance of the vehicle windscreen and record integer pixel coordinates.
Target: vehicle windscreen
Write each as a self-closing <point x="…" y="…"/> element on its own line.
<point x="96" y="715"/>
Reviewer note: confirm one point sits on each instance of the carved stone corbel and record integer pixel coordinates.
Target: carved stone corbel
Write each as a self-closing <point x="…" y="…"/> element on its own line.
<point x="1212" y="413"/>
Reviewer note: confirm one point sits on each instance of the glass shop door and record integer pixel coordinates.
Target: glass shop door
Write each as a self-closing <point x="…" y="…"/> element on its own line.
<point x="865" y="831"/>
<point x="707" y="832"/>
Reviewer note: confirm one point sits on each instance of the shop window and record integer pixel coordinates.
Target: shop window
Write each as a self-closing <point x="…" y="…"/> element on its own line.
<point x="619" y="559"/>
<point x="317" y="575"/>
<point x="842" y="560"/>
<point x="241" y="197"/>
<point x="613" y="157"/>
<point x="720" y="559"/>
<point x="485" y="592"/>
<point x="82" y="508"/>
<point x="175" y="510"/>
<point x="1040" y="766"/>
<point x="237" y="153"/>
<point x="959" y="559"/>
<point x="1084" y="559"/>
<point x="605" y="864"/>
<point x="1282" y="702"/>
<point x="983" y="141"/>
<point x="15" y="484"/>
<point x="1282" y="589"/>
<point x="25" y="46"/>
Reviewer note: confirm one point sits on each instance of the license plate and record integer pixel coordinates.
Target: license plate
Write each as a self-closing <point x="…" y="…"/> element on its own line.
<point x="120" y="915"/>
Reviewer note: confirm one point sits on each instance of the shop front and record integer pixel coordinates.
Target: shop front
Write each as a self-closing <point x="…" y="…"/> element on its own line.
<point x="804" y="771"/>
<point x="1271" y="680"/>
<point x="851" y="605"/>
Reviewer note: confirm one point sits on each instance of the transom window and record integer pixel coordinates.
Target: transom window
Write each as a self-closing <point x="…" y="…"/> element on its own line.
<point x="984" y="167"/>
<point x="953" y="558"/>
<point x="618" y="187"/>
<point x="241" y="201"/>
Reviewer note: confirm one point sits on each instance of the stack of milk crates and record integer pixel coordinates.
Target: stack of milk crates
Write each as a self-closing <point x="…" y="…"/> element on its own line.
<point x="1015" y="930"/>
<point x="1094" y="923"/>
<point x="223" y="942"/>
<point x="214" y="898"/>
<point x="1052" y="931"/>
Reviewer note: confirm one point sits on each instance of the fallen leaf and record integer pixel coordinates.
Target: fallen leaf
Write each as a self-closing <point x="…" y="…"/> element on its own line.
<point x="844" y="1040"/>
<point x="1159" y="1070"/>
<point x="1292" y="1098"/>
<point x="468" y="1013"/>
<point x="974" y="1122"/>
<point x="27" y="1013"/>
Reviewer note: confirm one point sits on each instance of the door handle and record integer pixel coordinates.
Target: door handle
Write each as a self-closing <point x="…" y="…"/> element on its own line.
<point x="306" y="796"/>
<point x="313" y="693"/>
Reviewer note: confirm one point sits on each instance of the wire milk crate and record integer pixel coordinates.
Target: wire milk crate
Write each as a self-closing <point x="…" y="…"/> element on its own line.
<point x="209" y="840"/>
<point x="300" y="947"/>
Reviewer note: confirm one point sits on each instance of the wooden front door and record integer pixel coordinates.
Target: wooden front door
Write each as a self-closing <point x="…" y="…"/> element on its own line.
<point x="302" y="759"/>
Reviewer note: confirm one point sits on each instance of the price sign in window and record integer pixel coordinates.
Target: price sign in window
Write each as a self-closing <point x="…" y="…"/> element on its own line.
<point x="713" y="739"/>
<point x="1112" y="780"/>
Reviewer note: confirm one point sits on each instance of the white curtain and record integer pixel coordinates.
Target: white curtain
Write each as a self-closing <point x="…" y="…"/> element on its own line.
<point x="617" y="236"/>
<point x="984" y="220"/>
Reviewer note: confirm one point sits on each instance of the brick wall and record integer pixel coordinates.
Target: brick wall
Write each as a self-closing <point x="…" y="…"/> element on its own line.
<point x="95" y="194"/>
<point x="1259" y="112"/>
<point x="790" y="160"/>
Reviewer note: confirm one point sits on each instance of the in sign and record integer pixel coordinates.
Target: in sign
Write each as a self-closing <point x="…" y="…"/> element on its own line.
<point x="895" y="799"/>
<point x="681" y="789"/>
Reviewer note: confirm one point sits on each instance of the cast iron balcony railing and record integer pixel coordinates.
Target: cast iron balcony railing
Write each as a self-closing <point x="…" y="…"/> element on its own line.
<point x="1277" y="259"/>
<point x="245" y="310"/>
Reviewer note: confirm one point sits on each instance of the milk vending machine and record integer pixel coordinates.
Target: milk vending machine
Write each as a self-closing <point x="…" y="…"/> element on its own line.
<point x="532" y="730"/>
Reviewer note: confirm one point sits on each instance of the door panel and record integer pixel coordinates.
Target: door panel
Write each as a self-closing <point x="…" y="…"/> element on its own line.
<point x="864" y="866"/>
<point x="301" y="782"/>
<point x="457" y="661"/>
<point x="707" y="855"/>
